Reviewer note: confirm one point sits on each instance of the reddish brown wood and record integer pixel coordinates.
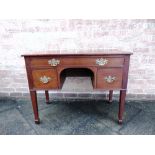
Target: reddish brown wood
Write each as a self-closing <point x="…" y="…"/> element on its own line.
<point x="123" y="92"/>
<point x="47" y="96"/>
<point x="125" y="71"/>
<point x="48" y="73"/>
<point x="78" y="53"/>
<point x="37" y="66"/>
<point x="110" y="95"/>
<point x="103" y="73"/>
<point x="29" y="72"/>
<point x="74" y="61"/>
<point x="121" y="105"/>
<point x="35" y="106"/>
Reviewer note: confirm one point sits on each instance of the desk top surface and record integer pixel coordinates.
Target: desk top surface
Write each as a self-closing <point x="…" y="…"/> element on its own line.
<point x="77" y="53"/>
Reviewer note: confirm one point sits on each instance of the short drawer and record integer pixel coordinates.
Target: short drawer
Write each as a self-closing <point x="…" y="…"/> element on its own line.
<point x="45" y="62"/>
<point x="76" y="61"/>
<point x="109" y="78"/>
<point x="45" y="79"/>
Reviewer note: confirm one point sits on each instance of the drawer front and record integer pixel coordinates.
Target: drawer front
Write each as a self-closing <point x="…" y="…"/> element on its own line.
<point x="78" y="61"/>
<point x="45" y="79"/>
<point x="45" y="62"/>
<point x="109" y="78"/>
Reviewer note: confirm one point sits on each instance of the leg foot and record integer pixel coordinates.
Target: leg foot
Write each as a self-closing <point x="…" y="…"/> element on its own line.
<point x="37" y="121"/>
<point x="110" y="101"/>
<point x="120" y="121"/>
<point x="47" y="102"/>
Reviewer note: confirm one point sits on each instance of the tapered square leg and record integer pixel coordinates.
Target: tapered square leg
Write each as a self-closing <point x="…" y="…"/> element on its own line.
<point x="47" y="96"/>
<point x="110" y="96"/>
<point x="35" y="106"/>
<point x="121" y="106"/>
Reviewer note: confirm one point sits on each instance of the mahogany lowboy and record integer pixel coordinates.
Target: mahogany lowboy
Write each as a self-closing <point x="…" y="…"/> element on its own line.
<point x="46" y="72"/>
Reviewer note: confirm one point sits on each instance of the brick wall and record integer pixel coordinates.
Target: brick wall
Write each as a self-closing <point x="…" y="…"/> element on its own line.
<point x="18" y="36"/>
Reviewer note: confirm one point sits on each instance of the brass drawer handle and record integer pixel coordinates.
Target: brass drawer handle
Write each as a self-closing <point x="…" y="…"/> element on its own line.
<point x="110" y="79"/>
<point x="44" y="79"/>
<point x="101" y="61"/>
<point x="53" y="62"/>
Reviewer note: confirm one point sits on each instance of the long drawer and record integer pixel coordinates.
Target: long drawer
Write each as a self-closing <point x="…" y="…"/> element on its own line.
<point x="76" y="61"/>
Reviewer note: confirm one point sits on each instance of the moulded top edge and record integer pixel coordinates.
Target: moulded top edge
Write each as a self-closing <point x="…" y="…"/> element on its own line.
<point x="70" y="53"/>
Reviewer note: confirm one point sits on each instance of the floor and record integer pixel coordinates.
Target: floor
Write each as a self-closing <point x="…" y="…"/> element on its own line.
<point x="76" y="117"/>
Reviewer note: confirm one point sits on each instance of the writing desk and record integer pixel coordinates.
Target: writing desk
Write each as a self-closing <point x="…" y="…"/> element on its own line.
<point x="108" y="71"/>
